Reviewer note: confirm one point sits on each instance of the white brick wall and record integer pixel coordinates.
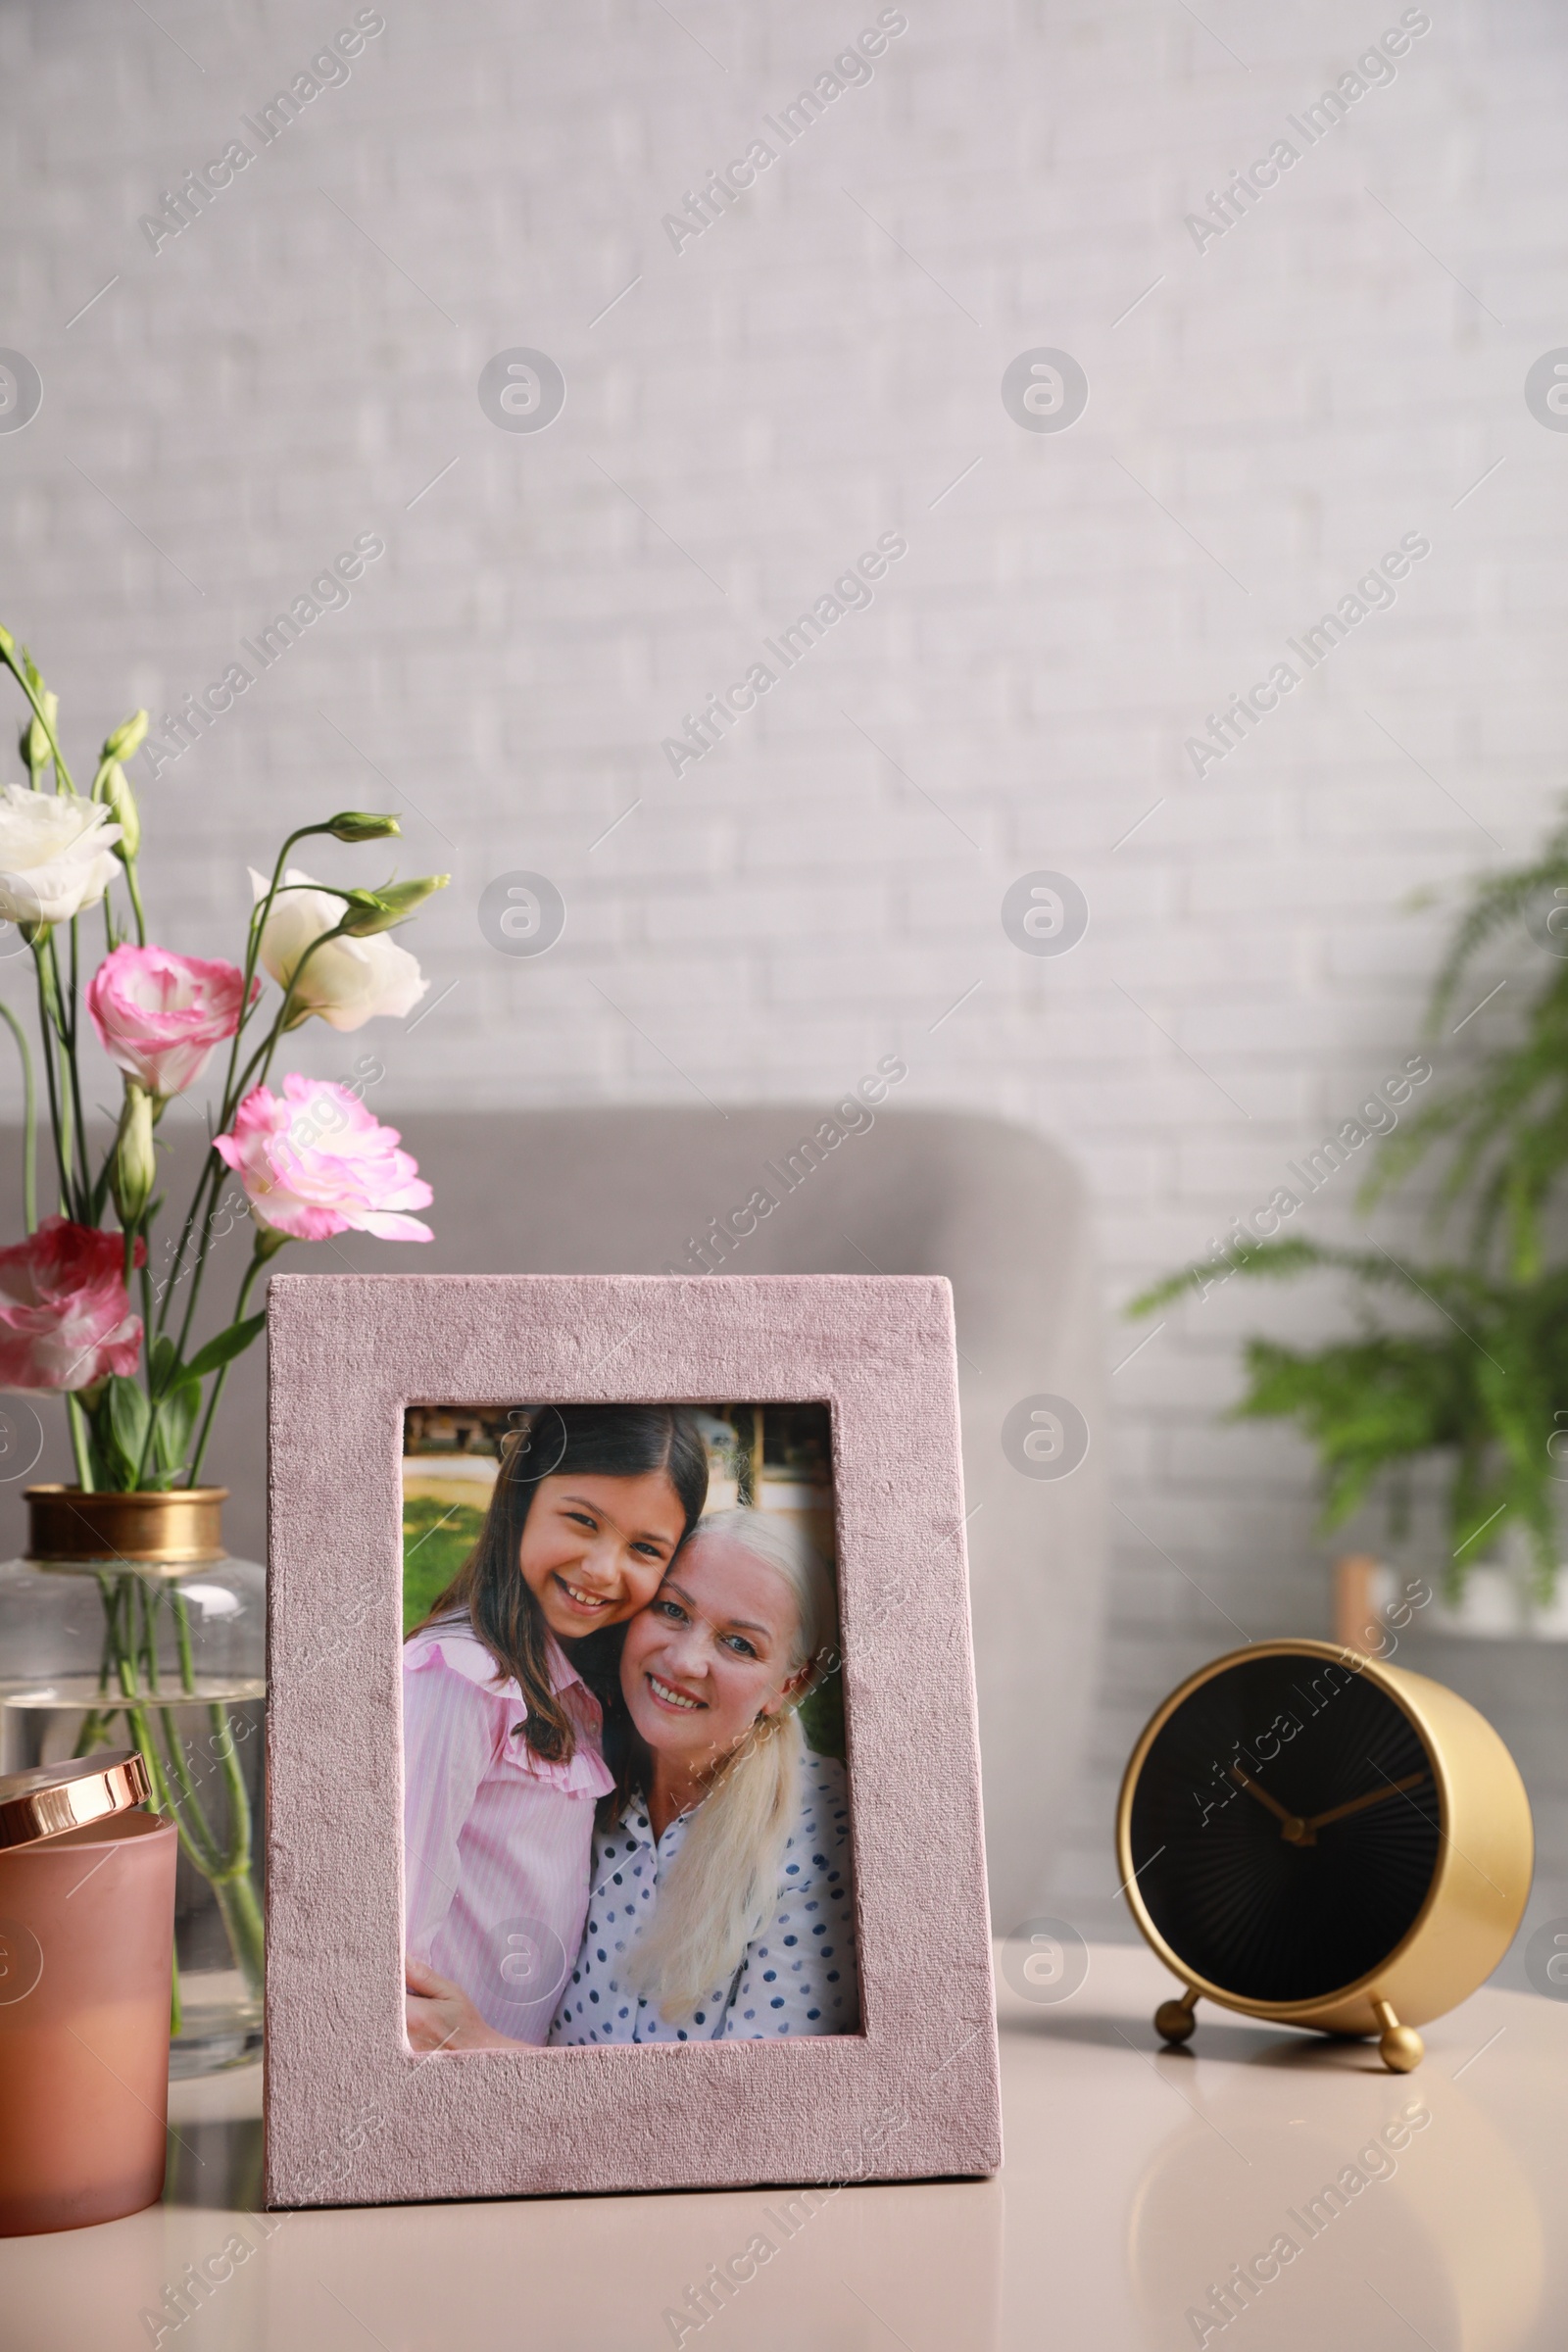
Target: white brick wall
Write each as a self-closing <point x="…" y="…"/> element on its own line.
<point x="230" y="413"/>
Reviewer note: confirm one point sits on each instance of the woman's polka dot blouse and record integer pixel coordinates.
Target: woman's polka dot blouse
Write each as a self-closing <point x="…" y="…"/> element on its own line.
<point x="799" y="1975"/>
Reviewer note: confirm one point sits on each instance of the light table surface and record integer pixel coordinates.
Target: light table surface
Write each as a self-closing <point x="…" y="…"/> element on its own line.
<point x="1134" y="2180"/>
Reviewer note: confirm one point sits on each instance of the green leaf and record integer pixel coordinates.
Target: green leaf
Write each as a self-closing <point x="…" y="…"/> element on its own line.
<point x="228" y="1345"/>
<point x="161" y="1358"/>
<point x="98" y="1444"/>
<point x="176" y="1419"/>
<point x="129" y="1417"/>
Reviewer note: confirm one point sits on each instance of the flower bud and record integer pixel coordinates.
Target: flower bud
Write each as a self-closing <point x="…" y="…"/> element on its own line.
<point x="368" y="912"/>
<point x="136" y="1158"/>
<point x="114" y="790"/>
<point x="128" y="738"/>
<point x="356" y="825"/>
<point x="34" y="740"/>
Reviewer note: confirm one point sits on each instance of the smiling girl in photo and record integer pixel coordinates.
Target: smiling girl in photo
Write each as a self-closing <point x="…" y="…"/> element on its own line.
<point x="502" y="1760"/>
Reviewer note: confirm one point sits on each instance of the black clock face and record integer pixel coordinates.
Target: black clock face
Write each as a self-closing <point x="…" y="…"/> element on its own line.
<point x="1285" y="1828"/>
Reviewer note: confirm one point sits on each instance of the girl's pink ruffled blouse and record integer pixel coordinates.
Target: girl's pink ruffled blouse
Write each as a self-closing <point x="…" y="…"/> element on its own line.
<point x="497" y="1841"/>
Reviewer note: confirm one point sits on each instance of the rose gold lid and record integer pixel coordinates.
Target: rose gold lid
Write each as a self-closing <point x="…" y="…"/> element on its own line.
<point x="49" y="1799"/>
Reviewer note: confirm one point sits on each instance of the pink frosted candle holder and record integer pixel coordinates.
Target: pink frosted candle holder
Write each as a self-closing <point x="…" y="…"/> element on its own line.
<point x="86" y="1938"/>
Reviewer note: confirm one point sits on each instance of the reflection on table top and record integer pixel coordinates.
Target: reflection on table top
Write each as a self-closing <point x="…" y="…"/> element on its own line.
<point x="1136" y="2181"/>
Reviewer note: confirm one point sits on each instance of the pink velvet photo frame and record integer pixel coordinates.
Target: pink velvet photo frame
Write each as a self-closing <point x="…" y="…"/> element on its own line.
<point x="354" y="2116"/>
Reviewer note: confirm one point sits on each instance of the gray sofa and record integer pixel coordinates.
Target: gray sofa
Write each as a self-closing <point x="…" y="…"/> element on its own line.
<point x="998" y="1211"/>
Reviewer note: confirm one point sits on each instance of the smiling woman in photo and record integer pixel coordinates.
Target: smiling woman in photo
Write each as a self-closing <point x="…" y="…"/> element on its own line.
<point x="723" y="1904"/>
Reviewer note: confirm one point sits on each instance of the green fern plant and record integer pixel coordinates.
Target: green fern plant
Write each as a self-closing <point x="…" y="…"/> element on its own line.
<point x="1476" y="1373"/>
<point x="1506" y="1126"/>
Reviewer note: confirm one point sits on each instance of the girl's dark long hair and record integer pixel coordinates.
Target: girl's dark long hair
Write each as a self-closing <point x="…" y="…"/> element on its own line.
<point x="602" y="1441"/>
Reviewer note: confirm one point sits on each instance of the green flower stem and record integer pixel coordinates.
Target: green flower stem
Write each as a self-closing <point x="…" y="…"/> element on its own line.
<point x="238" y="1856"/>
<point x="30" y="1120"/>
<point x="259" y="1259"/>
<point x="195" y="1830"/>
<point x="213" y="1401"/>
<point x="97" y="1721"/>
<point x="211" y="1170"/>
<point x="261" y="1061"/>
<point x="256" y="1067"/>
<point x="107" y="1595"/>
<point x="78" y="1420"/>
<point x="226" y="1872"/>
<point x="188" y="1664"/>
<point x="46" y="1030"/>
<point x="253" y="949"/>
<point x="232" y="1091"/>
<point x="271" y="1044"/>
<point x="130" y="1641"/>
<point x="43" y="716"/>
<point x="149" y="1633"/>
<point x="262" y="1056"/>
<point x="68" y="1035"/>
<point x="135" y="889"/>
<point x="206" y="1861"/>
<point x="193" y="1214"/>
<point x="241" y="1909"/>
<point x="203" y="1248"/>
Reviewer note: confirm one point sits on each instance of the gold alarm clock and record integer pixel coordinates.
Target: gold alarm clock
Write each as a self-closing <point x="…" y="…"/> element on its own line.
<point x="1313" y="1838"/>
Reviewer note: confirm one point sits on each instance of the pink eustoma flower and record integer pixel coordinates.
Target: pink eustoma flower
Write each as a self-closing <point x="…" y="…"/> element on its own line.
<point x="65" y="1316"/>
<point x="159" y="1016"/>
<point x="315" y="1162"/>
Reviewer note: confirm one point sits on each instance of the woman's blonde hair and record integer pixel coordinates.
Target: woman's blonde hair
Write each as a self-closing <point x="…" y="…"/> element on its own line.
<point x="721" y="1887"/>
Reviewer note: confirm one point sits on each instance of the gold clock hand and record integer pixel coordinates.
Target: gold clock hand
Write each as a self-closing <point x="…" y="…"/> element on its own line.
<point x="1295" y="1831"/>
<point x="1358" y="1804"/>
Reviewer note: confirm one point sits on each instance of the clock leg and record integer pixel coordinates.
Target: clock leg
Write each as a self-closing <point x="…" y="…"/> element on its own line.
<point x="1400" y="2048"/>
<point x="1173" y="2019"/>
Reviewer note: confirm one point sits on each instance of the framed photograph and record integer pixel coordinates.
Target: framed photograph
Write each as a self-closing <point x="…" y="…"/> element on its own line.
<point x="624" y="1819"/>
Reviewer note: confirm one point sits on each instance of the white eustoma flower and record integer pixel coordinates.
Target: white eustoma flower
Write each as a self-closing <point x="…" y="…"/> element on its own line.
<point x="56" y="854"/>
<point x="349" y="981"/>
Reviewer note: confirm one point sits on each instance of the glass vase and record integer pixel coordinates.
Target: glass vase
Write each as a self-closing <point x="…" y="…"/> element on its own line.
<point x="128" y="1626"/>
